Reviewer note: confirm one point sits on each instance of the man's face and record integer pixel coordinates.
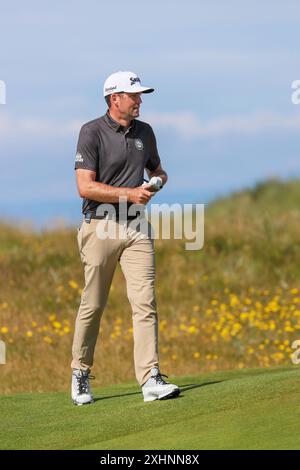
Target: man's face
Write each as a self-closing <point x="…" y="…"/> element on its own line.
<point x="128" y="104"/>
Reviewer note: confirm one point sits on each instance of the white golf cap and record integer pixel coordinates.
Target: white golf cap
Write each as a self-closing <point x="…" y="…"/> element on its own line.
<point x="124" y="81"/>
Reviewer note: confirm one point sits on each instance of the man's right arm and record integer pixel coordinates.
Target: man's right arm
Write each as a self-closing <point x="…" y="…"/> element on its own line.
<point x="88" y="188"/>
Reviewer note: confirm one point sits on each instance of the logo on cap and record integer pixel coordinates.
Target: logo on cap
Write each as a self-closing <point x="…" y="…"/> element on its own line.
<point x="111" y="88"/>
<point x="139" y="144"/>
<point x="134" y="80"/>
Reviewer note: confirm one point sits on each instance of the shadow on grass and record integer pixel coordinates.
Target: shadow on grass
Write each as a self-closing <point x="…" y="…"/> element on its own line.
<point x="183" y="388"/>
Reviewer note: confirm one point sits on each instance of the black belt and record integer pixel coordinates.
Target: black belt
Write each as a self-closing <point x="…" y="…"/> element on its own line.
<point x="92" y="215"/>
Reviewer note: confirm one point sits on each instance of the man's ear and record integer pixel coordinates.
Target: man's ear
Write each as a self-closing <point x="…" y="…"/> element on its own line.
<point x="114" y="99"/>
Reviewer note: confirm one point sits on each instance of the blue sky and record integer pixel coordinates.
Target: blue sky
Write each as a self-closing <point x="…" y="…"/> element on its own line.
<point x="221" y="111"/>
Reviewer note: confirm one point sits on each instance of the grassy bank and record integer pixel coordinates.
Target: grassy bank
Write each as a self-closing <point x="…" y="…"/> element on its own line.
<point x="233" y="304"/>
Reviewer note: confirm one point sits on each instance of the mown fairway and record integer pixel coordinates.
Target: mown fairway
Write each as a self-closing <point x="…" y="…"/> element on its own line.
<point x="250" y="409"/>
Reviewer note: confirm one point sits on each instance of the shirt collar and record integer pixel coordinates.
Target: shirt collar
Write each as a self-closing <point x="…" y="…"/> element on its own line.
<point x="116" y="125"/>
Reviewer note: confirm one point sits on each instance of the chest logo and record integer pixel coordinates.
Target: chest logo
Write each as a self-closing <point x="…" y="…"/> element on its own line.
<point x="139" y="144"/>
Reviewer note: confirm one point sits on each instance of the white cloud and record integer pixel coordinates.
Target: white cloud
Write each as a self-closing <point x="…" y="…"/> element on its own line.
<point x="226" y="59"/>
<point x="34" y="127"/>
<point x="188" y="125"/>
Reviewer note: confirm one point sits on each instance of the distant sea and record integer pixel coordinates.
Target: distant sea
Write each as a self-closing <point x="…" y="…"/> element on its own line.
<point x="41" y="215"/>
<point x="46" y="214"/>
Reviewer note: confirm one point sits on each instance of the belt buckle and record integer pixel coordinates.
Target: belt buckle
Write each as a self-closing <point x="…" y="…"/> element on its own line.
<point x="88" y="217"/>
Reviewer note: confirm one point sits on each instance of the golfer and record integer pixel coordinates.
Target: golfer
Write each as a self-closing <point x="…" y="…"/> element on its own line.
<point x="112" y="154"/>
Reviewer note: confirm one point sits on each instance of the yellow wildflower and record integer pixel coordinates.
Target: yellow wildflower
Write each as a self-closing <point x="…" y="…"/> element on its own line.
<point x="225" y="332"/>
<point x="73" y="284"/>
<point x="48" y="340"/>
<point x="244" y="316"/>
<point x="192" y="329"/>
<point x="234" y="300"/>
<point x="289" y="329"/>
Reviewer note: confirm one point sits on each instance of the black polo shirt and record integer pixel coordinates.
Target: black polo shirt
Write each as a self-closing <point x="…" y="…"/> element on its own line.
<point x="118" y="156"/>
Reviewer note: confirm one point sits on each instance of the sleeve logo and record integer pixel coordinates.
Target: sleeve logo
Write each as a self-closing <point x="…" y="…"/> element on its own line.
<point x="79" y="157"/>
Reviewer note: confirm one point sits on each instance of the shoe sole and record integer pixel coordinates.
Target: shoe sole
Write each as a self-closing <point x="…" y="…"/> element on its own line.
<point x="172" y="394"/>
<point x="81" y="404"/>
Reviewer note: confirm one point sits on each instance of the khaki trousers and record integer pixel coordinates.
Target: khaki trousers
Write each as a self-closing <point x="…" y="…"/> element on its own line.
<point x="135" y="252"/>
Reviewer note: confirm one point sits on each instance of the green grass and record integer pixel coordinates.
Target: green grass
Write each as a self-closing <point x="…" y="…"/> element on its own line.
<point x="246" y="409"/>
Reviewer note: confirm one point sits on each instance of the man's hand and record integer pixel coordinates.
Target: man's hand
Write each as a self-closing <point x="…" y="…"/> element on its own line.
<point x="140" y="195"/>
<point x="154" y="185"/>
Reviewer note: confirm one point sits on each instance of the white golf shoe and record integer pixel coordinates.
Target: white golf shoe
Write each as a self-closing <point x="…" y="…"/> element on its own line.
<point x="81" y="392"/>
<point x="156" y="388"/>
